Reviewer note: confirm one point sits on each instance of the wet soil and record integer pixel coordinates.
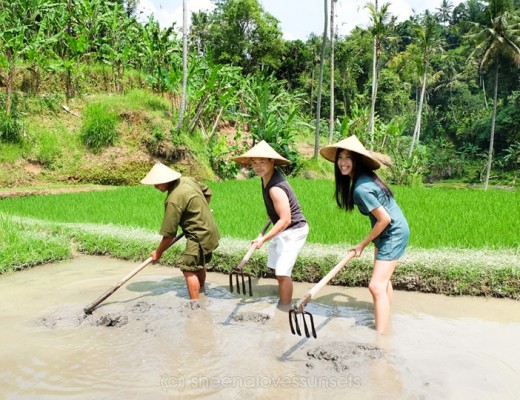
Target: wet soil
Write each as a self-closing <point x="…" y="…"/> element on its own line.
<point x="149" y="341"/>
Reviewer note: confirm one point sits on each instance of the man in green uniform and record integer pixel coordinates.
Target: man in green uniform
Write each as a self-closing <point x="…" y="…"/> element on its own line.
<point x="187" y="206"/>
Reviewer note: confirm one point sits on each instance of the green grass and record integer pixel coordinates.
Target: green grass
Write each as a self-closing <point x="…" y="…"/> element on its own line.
<point x="438" y="218"/>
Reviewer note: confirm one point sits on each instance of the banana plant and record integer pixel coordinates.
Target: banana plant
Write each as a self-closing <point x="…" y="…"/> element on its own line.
<point x="24" y="30"/>
<point x="273" y="113"/>
<point x="157" y="50"/>
<point x="118" y="48"/>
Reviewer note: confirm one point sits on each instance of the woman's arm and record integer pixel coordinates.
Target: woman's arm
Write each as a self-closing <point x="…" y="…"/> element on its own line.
<point x="382" y="221"/>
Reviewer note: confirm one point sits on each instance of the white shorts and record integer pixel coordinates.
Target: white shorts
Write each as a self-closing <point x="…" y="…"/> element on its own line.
<point x="284" y="249"/>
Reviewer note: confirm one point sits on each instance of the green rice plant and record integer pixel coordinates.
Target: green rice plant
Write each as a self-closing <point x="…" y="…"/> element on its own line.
<point x="21" y="248"/>
<point x="99" y="126"/>
<point x="438" y="217"/>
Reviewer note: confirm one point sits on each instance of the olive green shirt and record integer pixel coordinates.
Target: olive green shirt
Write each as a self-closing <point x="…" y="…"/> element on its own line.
<point x="186" y="206"/>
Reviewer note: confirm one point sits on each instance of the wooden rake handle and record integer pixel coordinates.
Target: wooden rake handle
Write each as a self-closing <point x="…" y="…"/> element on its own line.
<point x="252" y="248"/>
<point x="88" y="309"/>
<point x="316" y="288"/>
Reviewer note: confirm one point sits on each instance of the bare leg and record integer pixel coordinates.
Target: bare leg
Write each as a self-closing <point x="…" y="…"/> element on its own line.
<point x="285" y="289"/>
<point x="390" y="292"/>
<point x="382" y="292"/>
<point x="202" y="278"/>
<point x="193" y="283"/>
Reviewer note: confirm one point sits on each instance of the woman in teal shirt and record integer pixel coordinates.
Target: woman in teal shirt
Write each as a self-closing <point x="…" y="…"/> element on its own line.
<point x="357" y="184"/>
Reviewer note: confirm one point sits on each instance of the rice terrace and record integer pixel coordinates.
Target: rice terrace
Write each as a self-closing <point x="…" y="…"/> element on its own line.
<point x="93" y="94"/>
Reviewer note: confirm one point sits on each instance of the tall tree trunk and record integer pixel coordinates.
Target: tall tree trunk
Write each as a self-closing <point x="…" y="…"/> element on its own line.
<point x="417" y="129"/>
<point x="373" y="98"/>
<point x="331" y="119"/>
<point x="312" y="87"/>
<point x="69" y="90"/>
<point x="320" y="83"/>
<point x="11" y="72"/>
<point x="492" y="135"/>
<point x="374" y="89"/>
<point x="184" y="62"/>
<point x="484" y="90"/>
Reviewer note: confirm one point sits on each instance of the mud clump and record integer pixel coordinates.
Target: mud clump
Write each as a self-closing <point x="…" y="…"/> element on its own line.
<point x="111" y="320"/>
<point x="141" y="307"/>
<point x="70" y="319"/>
<point x="345" y="356"/>
<point x="251" y="317"/>
<point x="192" y="306"/>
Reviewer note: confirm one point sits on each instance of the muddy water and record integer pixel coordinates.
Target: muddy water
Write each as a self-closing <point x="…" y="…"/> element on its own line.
<point x="148" y="341"/>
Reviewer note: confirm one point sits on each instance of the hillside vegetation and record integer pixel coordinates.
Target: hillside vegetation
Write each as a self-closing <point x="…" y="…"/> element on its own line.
<point x="90" y="94"/>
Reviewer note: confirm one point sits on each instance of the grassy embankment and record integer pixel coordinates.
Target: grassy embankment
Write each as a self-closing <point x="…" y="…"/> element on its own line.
<point x="462" y="242"/>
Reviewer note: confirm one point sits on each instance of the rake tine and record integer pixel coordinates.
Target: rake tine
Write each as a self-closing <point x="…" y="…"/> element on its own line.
<point x="291" y="312"/>
<point x="305" y="325"/>
<point x="231" y="283"/>
<point x="237" y="279"/>
<point x="250" y="286"/>
<point x="243" y="283"/>
<point x="312" y="326"/>
<point x="296" y="323"/>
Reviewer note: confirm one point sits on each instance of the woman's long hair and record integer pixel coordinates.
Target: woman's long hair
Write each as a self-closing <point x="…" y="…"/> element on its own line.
<point x="344" y="193"/>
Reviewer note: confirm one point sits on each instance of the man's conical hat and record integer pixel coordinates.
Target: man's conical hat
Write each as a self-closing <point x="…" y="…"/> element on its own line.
<point x="160" y="173"/>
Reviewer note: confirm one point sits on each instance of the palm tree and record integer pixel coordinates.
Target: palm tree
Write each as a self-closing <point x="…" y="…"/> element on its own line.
<point x="492" y="42"/>
<point x="429" y="43"/>
<point x="444" y="12"/>
<point x="199" y="31"/>
<point x="184" y="62"/>
<point x="379" y="31"/>
<point x="331" y="122"/>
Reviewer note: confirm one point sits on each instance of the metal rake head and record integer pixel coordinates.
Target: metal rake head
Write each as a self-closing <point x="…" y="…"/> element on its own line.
<point x="240" y="282"/>
<point x="295" y="326"/>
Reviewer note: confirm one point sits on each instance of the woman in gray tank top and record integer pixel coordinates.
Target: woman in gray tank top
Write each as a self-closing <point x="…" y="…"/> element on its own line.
<point x="289" y="231"/>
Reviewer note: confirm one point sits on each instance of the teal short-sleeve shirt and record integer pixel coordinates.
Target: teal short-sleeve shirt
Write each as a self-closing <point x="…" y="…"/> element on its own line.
<point x="368" y="196"/>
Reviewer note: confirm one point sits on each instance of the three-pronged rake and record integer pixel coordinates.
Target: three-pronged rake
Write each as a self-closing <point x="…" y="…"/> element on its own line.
<point x="299" y="309"/>
<point x="238" y="273"/>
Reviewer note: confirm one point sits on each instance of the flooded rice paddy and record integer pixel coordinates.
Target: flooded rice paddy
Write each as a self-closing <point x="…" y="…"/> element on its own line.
<point x="149" y="341"/>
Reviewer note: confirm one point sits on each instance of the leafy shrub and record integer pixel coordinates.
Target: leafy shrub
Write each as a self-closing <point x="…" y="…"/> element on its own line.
<point x="139" y="99"/>
<point x="10" y="128"/>
<point x="48" y="148"/>
<point x="220" y="157"/>
<point x="99" y="127"/>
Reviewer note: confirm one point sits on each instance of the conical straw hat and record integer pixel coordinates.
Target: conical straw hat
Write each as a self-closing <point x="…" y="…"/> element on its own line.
<point x="261" y="150"/>
<point x="160" y="173"/>
<point x="352" y="144"/>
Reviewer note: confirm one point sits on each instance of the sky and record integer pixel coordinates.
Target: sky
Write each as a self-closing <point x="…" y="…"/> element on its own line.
<point x="298" y="18"/>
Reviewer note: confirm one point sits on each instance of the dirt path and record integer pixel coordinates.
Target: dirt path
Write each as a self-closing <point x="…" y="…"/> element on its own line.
<point x="4" y="193"/>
